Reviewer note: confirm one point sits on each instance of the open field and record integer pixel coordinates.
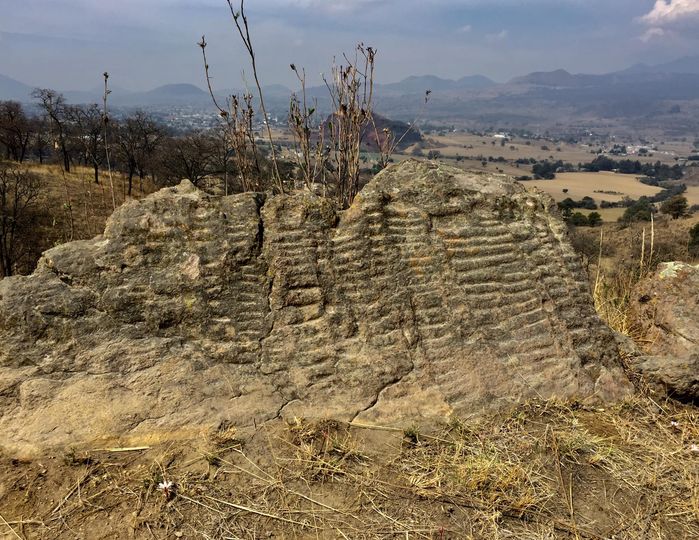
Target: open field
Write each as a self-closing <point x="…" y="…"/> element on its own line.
<point x="583" y="184"/>
<point x="608" y="214"/>
<point x="468" y="145"/>
<point x="692" y="195"/>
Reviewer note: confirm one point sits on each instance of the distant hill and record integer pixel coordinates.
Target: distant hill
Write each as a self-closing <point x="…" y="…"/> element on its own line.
<point x="420" y="84"/>
<point x="475" y="81"/>
<point x="169" y="94"/>
<point x="10" y="89"/>
<point x="177" y="91"/>
<point x="688" y="64"/>
<point x="400" y="131"/>
<point x="641" y="98"/>
<point x="560" y="77"/>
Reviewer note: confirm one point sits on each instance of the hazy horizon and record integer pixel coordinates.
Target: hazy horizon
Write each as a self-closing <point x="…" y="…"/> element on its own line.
<point x="67" y="44"/>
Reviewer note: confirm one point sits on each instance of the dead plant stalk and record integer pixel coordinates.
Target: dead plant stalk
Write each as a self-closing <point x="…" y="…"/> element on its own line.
<point x="244" y="32"/>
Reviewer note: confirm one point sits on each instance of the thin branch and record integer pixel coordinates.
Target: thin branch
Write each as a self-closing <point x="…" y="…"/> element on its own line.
<point x="105" y="121"/>
<point x="247" y="41"/>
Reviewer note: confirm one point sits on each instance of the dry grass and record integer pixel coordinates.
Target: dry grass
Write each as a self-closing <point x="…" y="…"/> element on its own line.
<point x="544" y="470"/>
<point x="73" y="207"/>
<point x="587" y="184"/>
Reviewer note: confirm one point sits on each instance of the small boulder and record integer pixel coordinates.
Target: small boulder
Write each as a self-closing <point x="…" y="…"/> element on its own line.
<point x="666" y="309"/>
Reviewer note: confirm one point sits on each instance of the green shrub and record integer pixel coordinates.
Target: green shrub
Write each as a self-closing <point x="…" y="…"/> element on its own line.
<point x="594" y="219"/>
<point x="579" y="219"/>
<point x="641" y="210"/>
<point x="676" y="206"/>
<point x="694" y="241"/>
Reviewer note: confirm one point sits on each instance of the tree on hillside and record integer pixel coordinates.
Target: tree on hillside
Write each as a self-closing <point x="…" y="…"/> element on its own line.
<point x="128" y="140"/>
<point x="694" y="241"/>
<point x="54" y="105"/>
<point x="151" y="134"/>
<point x="641" y="210"/>
<point x="594" y="219"/>
<point x="676" y="206"/>
<point x="89" y="131"/>
<point x="19" y="192"/>
<point x="193" y="157"/>
<point x="15" y="130"/>
<point x="41" y="138"/>
<point x="138" y="138"/>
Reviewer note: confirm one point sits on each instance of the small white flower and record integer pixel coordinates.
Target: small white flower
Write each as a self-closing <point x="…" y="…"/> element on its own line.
<point x="675" y="423"/>
<point x="168" y="488"/>
<point x="166" y="485"/>
<point x="694" y="448"/>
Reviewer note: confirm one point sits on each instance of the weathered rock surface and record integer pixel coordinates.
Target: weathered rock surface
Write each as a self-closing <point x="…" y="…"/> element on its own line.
<point x="666" y="306"/>
<point x="437" y="292"/>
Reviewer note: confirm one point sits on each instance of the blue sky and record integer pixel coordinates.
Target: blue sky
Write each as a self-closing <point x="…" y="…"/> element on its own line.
<point x="67" y="44"/>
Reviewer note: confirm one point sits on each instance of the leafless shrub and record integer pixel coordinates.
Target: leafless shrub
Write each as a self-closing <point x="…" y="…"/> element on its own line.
<point x="310" y="153"/>
<point x="327" y="152"/>
<point x="19" y="192"/>
<point x="351" y="88"/>
<point x="242" y="139"/>
<point x="239" y="116"/>
<point x="241" y="24"/>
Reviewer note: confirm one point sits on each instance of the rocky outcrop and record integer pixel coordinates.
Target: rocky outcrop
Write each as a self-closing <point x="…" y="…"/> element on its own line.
<point x="666" y="308"/>
<point x="437" y="292"/>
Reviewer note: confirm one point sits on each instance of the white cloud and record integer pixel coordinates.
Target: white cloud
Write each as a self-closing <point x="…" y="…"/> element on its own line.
<point x="670" y="18"/>
<point x="465" y="29"/>
<point x="499" y="36"/>
<point x="336" y="5"/>
<point x="671" y="12"/>
<point x="652" y="33"/>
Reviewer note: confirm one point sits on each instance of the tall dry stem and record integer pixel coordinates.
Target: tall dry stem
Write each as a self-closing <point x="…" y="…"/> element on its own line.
<point x="238" y="116"/>
<point x="105" y="122"/>
<point x="244" y="32"/>
<point x="310" y="154"/>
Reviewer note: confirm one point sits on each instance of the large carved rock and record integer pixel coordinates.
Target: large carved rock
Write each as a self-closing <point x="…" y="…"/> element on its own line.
<point x="437" y="292"/>
<point x="666" y="308"/>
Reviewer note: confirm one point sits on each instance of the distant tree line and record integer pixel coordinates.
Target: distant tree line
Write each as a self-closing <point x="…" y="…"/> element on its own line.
<point x="655" y="172"/>
<point x="68" y="135"/>
<point x="546" y="170"/>
<point x="140" y="147"/>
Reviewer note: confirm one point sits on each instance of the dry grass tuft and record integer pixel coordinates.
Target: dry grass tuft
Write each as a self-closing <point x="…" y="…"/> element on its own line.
<point x="325" y="449"/>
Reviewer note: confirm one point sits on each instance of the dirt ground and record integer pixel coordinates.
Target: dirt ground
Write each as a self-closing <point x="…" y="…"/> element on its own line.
<point x="543" y="470"/>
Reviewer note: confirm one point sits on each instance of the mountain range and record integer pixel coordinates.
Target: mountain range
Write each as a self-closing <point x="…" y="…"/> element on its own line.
<point x="637" y="97"/>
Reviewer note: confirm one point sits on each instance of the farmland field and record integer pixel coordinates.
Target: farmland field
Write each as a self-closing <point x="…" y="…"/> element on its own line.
<point x="692" y="195"/>
<point x="585" y="184"/>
